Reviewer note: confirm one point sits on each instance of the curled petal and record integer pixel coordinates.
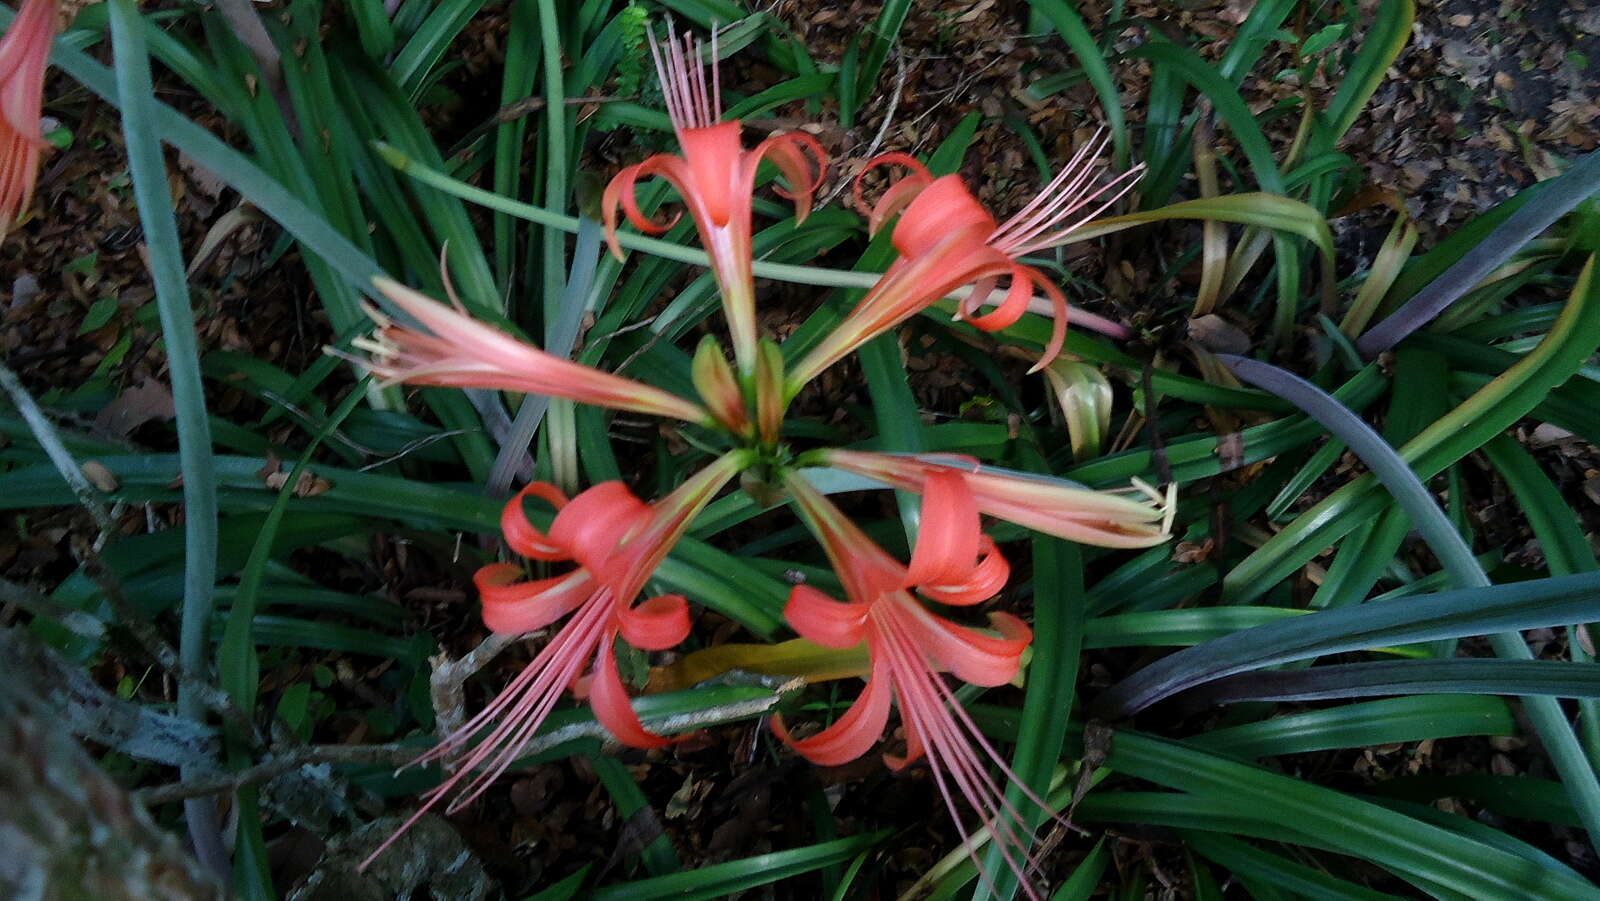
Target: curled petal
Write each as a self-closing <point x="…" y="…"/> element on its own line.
<point x="1018" y="294"/>
<point x="656" y="624"/>
<point x="520" y="534"/>
<point x="611" y="706"/>
<point x="967" y="653"/>
<point x="979" y="584"/>
<point x="512" y="606"/>
<point x="622" y="191"/>
<point x="592" y="525"/>
<point x="822" y="619"/>
<point x="802" y="161"/>
<point x="885" y="209"/>
<point x="977" y="296"/>
<point x="852" y="734"/>
<point x="947" y="540"/>
<point x="1058" y="325"/>
<point x="944" y="206"/>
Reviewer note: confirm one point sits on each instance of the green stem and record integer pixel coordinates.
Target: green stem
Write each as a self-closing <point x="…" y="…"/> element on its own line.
<point x="154" y="200"/>
<point x="802" y="275"/>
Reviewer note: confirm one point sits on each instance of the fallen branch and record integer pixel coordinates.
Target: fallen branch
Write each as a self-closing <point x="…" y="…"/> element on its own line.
<point x="401" y="754"/>
<point x="85" y="709"/>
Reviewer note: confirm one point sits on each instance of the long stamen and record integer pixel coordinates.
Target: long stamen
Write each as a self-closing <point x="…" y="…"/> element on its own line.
<point x="432" y="796"/>
<point x="535" y="681"/>
<point x="1117" y="188"/>
<point x="584" y="642"/>
<point x="1059" y="199"/>
<point x="716" y="77"/>
<point x="547" y="684"/>
<point x="1050" y="193"/>
<point x="950" y="756"/>
<point x="702" y="103"/>
<point x="664" y="75"/>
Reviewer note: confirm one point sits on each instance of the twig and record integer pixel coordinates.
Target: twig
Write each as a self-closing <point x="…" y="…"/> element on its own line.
<point x="450" y="675"/>
<point x="148" y="637"/>
<point x="75" y="621"/>
<point x="84" y="708"/>
<point x="45" y="433"/>
<point x="145" y="635"/>
<point x="883" y="127"/>
<point x="398" y="754"/>
<point x="276" y="765"/>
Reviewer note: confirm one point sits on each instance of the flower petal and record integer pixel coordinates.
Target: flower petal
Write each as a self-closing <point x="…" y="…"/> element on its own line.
<point x="623" y="190"/>
<point x="1048" y="505"/>
<point x="788" y="151"/>
<point x="593" y="524"/>
<point x="520" y="534"/>
<point x="611" y="706"/>
<point x="947" y="539"/>
<point x="712" y="155"/>
<point x="944" y="206"/>
<point x="968" y="654"/>
<point x="979" y="584"/>
<point x="656" y="624"/>
<point x="899" y="193"/>
<point x="828" y="622"/>
<point x="852" y="734"/>
<point x="462" y="352"/>
<point x="1009" y="311"/>
<point x="512" y="606"/>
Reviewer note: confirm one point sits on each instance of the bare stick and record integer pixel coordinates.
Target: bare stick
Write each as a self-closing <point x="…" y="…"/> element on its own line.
<point x="45" y="433"/>
<point x="449" y="703"/>
<point x="398" y="754"/>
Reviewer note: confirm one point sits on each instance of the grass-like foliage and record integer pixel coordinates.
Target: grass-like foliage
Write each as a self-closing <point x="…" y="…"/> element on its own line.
<point x="1253" y="583"/>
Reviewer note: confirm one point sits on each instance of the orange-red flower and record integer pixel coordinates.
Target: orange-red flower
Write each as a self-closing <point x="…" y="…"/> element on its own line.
<point x="617" y="542"/>
<point x="715" y="176"/>
<point x="460" y="352"/>
<point x="24" y="55"/>
<point x="947" y="240"/>
<point x="908" y="646"/>
<point x="1049" y="505"/>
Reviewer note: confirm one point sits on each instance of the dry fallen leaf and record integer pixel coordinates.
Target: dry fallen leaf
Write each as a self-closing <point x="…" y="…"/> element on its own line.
<point x="99" y="476"/>
<point x="145" y="402"/>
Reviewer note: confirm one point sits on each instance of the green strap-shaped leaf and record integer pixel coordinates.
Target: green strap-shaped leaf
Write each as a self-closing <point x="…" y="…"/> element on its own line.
<point x="1465" y="429"/>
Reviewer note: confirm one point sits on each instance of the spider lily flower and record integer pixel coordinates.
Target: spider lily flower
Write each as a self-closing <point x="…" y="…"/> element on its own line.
<point x="715" y="176"/>
<point x="458" y="351"/>
<point x="1051" y="506"/>
<point x="908" y="646"/>
<point x="947" y="240"/>
<point x="24" y="56"/>
<point x="617" y="541"/>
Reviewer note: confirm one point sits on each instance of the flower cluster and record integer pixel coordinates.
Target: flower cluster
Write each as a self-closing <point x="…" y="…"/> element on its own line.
<point x="900" y="612"/>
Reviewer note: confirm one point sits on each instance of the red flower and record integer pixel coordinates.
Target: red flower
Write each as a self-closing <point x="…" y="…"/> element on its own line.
<point x="909" y="646"/>
<point x="715" y="176"/>
<point x="460" y="352"/>
<point x="947" y="240"/>
<point x="24" y="56"/>
<point x="617" y="542"/>
<point x="1052" y="506"/>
